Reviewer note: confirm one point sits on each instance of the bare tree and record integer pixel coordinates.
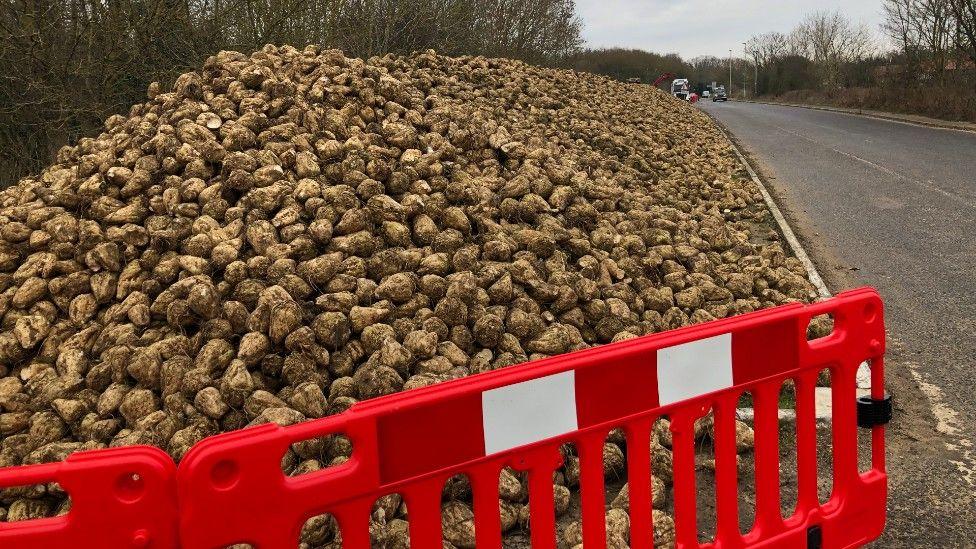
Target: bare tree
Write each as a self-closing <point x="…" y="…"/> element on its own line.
<point x="769" y="47"/>
<point x="539" y="30"/>
<point x="935" y="26"/>
<point x="66" y="65"/>
<point x="830" y="39"/>
<point x="829" y="59"/>
<point x="899" y="23"/>
<point x="964" y="12"/>
<point x="932" y="35"/>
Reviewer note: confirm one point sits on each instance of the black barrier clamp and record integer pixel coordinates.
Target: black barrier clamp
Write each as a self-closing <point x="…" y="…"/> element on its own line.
<point x="873" y="412"/>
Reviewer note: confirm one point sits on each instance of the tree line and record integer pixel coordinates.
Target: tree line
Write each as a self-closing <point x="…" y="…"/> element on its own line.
<point x="925" y="62"/>
<point x="624" y="63"/>
<point x="66" y="65"/>
<point x="825" y="51"/>
<point x="934" y="38"/>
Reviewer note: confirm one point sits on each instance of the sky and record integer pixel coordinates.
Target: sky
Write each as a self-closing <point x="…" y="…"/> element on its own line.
<point x="704" y="27"/>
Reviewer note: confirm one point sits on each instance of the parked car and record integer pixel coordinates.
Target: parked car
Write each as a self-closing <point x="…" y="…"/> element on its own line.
<point x="706" y="93"/>
<point x="719" y="95"/>
<point x="634" y="80"/>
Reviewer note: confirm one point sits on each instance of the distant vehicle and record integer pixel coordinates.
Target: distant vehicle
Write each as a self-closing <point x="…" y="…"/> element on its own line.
<point x="719" y="94"/>
<point x="706" y="93"/>
<point x="679" y="88"/>
<point x="634" y="80"/>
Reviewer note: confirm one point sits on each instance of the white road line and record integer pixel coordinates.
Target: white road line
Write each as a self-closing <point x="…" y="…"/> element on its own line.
<point x="932" y="187"/>
<point x="948" y="424"/>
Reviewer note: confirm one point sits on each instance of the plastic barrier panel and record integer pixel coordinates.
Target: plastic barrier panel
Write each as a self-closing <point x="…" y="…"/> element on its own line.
<point x="232" y="490"/>
<point x="121" y="497"/>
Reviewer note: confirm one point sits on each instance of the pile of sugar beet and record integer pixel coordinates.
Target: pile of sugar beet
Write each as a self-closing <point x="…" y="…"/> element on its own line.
<point x="287" y="233"/>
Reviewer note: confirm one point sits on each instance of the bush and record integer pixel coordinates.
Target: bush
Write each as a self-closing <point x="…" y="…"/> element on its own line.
<point x="936" y="102"/>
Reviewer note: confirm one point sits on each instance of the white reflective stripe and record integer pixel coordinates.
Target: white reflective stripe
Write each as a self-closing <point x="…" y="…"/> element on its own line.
<point x="528" y="412"/>
<point x="693" y="369"/>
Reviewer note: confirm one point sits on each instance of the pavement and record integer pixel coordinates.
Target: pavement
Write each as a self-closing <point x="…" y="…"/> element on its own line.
<point x="892" y="205"/>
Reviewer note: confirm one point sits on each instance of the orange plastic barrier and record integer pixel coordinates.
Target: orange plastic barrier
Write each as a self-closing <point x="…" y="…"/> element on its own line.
<point x="231" y="489"/>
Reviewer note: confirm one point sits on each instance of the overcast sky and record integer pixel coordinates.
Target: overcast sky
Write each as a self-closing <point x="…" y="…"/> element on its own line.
<point x="705" y="27"/>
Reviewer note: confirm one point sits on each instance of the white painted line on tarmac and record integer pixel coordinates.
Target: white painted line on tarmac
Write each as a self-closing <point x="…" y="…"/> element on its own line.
<point x="948" y="424"/>
<point x="927" y="185"/>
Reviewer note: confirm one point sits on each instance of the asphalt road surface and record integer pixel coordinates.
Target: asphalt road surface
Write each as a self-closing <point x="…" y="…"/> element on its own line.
<point x="893" y="205"/>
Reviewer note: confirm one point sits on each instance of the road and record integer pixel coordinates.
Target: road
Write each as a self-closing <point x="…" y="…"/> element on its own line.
<point x="893" y="205"/>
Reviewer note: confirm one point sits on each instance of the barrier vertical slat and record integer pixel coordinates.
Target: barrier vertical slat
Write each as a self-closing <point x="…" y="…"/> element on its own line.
<point x="424" y="510"/>
<point x="354" y="524"/>
<point x="639" y="484"/>
<point x="592" y="497"/>
<point x="766" y="407"/>
<point x="806" y="442"/>
<point x="484" y="487"/>
<point x="844" y="425"/>
<point x="542" y="508"/>
<point x="683" y="459"/>
<point x="726" y="472"/>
